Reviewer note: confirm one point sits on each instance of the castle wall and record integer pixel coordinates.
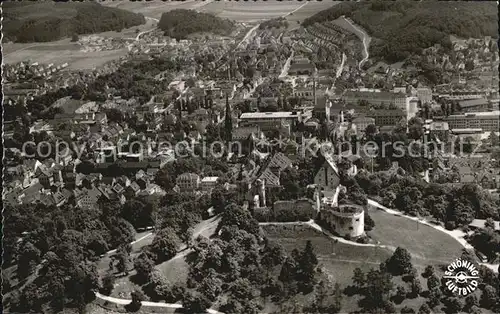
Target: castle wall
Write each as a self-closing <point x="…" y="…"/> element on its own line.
<point x="345" y="223"/>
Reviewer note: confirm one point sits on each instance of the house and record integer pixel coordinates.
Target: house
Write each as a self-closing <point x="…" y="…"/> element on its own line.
<point x="188" y="182"/>
<point x="87" y="198"/>
<point x="132" y="190"/>
<point x="362" y="123"/>
<point x="327" y="176"/>
<point x="208" y="183"/>
<point x="388" y="117"/>
<point x="480" y="224"/>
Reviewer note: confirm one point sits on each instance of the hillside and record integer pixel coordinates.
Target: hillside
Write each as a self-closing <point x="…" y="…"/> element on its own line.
<point x="49" y="21"/>
<point x="180" y="23"/>
<point x="402" y="28"/>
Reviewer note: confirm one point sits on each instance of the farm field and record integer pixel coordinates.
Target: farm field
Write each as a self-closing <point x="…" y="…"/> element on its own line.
<point x="240" y="11"/>
<point x="154" y="9"/>
<point x="59" y="54"/>
<point x="426" y="244"/>
<point x="308" y="10"/>
<point x="61" y="51"/>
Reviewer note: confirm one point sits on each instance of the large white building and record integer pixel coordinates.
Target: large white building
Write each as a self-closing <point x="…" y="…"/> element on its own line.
<point x="488" y="121"/>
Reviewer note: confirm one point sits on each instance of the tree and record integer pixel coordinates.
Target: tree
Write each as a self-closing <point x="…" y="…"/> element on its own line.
<point x="287" y="273"/>
<point x="432" y="282"/>
<point x="29" y="257"/>
<point x="407" y="310"/>
<point x="369" y="222"/>
<point x="218" y="198"/>
<point x="358" y="278"/>
<point x="108" y="284"/>
<point x="242" y="290"/>
<point x="165" y="244"/>
<point x="137" y="298"/>
<point x="400" y="294"/>
<point x="235" y="215"/>
<point x="74" y="38"/>
<point x="453" y="305"/>
<point x="307" y="268"/>
<point x="434" y="297"/>
<point x="143" y="264"/>
<point x="378" y="287"/>
<point x="123" y="257"/>
<point x="429" y="271"/>
<point x="195" y="303"/>
<point x="370" y="131"/>
<point x="328" y="299"/>
<point x="416" y="288"/>
<point x="400" y="262"/>
<point x="489" y="297"/>
<point x="211" y="286"/>
<point x="424" y="309"/>
<point x="470" y="301"/>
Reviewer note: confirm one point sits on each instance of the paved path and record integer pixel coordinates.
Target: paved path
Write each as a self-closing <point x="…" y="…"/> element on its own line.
<point x="199" y="230"/>
<point x="247" y="35"/>
<point x="147" y="303"/>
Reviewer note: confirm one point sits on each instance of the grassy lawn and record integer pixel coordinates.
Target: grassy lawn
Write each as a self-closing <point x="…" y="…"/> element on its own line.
<point x="426" y="244"/>
<point x="338" y="259"/>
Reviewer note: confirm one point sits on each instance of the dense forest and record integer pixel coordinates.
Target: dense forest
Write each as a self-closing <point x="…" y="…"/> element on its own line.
<point x="274" y="23"/>
<point x="403" y="28"/>
<point x="180" y="23"/>
<point x="50" y="21"/>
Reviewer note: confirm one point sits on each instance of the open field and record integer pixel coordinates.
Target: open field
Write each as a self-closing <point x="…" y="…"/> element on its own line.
<point x="77" y="60"/>
<point x="240" y="11"/>
<point x="423" y="242"/>
<point x="338" y="259"/>
<point x="155" y="9"/>
<point x="308" y="10"/>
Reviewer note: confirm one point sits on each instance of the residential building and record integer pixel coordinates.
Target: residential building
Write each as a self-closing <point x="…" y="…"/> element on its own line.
<point x="424" y="94"/>
<point x="385" y="117"/>
<point x="362" y="122"/>
<point x="208" y="183"/>
<point x="188" y="182"/>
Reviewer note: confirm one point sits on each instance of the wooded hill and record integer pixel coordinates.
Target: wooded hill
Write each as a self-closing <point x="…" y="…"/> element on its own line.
<point x="34" y="21"/>
<point x="402" y="28"/>
<point x="180" y="23"/>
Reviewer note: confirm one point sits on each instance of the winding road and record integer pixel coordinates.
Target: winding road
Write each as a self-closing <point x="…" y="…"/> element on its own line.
<point x="366" y="41"/>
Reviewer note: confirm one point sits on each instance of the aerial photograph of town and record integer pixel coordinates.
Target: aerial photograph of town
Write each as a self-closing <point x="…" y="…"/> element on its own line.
<point x="248" y="157"/>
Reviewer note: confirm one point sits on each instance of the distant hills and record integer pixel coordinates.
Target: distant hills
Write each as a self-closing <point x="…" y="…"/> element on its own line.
<point x="401" y="28"/>
<point x="42" y="21"/>
<point x="180" y="23"/>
